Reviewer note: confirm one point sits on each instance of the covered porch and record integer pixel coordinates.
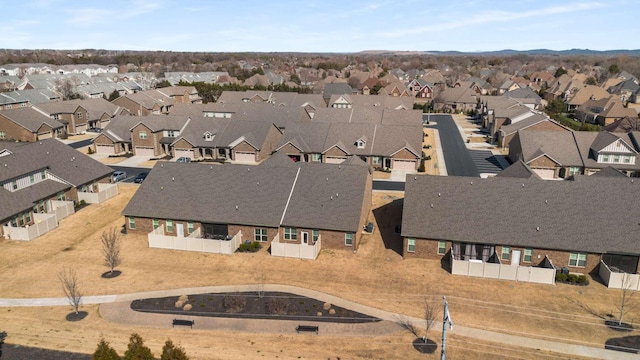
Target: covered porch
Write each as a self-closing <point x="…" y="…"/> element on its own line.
<point x="195" y="241"/>
<point x="481" y="260"/>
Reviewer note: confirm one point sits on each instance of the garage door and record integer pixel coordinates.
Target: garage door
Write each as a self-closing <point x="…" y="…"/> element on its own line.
<point x="545" y="173"/>
<point x="245" y="157"/>
<point x="334" y="160"/>
<point x="105" y="149"/>
<point x="46" y="135"/>
<point x="81" y="128"/>
<point x="403" y="165"/>
<point x="183" y="153"/>
<point x="144" y="151"/>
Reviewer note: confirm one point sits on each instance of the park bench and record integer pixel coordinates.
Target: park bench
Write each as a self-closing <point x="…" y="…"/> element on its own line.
<point x="182" y="322"/>
<point x="307" y="328"/>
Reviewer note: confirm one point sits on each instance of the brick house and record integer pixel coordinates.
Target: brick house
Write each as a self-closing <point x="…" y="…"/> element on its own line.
<point x="296" y="208"/>
<point x="28" y="124"/>
<point x="444" y="218"/>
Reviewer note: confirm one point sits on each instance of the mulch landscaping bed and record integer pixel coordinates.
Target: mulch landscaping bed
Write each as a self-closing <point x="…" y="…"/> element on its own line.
<point x="17" y="352"/>
<point x="630" y="344"/>
<point x="270" y="305"/>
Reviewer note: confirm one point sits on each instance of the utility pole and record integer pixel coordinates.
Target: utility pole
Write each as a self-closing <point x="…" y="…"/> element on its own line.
<point x="445" y="319"/>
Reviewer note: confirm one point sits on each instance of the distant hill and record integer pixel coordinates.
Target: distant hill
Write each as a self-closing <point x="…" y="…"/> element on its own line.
<point x="508" y="52"/>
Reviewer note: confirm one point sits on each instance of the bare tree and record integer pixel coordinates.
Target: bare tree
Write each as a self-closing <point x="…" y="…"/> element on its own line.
<point x="429" y="317"/>
<point x="261" y="279"/>
<point x="628" y="291"/>
<point x="111" y="248"/>
<point x="69" y="281"/>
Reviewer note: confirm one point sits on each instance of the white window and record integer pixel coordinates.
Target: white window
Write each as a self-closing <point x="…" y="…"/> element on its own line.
<point x="208" y="137"/>
<point x="316" y="157"/>
<point x="442" y="247"/>
<point x="605" y="158"/>
<point x="528" y="255"/>
<point x="360" y="144"/>
<point x="189" y="227"/>
<point x="348" y="239"/>
<point x="169" y="225"/>
<point x="626" y="159"/>
<point x="506" y="253"/>
<point x="290" y="233"/>
<point x="156" y="224"/>
<point x="316" y="235"/>
<point x="261" y="235"/>
<point x="3" y="135"/>
<point x="377" y="160"/>
<point x="79" y="115"/>
<point x="577" y="259"/>
<point x="7" y="106"/>
<point x="143" y="135"/>
<point x="132" y="223"/>
<point x="616" y="158"/>
<point x="411" y="245"/>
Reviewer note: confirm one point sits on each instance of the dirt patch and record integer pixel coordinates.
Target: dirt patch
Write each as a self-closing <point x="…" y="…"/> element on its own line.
<point x="250" y="305"/>
<point x="148" y="163"/>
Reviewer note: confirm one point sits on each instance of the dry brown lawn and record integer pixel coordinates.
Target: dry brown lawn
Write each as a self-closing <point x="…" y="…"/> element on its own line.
<point x="112" y="160"/>
<point x="376" y="276"/>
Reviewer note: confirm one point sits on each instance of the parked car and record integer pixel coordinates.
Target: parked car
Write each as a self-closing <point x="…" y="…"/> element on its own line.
<point x="140" y="178"/>
<point x="183" y="159"/>
<point x="119" y="176"/>
<point x="94" y="130"/>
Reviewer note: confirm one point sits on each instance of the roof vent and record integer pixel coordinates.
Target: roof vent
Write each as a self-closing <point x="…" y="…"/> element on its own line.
<point x="415" y="178"/>
<point x="328" y="179"/>
<point x="432" y="206"/>
<point x="173" y="179"/>
<point x="336" y="194"/>
<point x="522" y="185"/>
<point x="248" y="169"/>
<point x="161" y="165"/>
<point x="546" y="201"/>
<point x="161" y="187"/>
<point x="236" y="207"/>
<point x="258" y="183"/>
<point x="537" y="228"/>
<point x="339" y="166"/>
<point x="438" y="194"/>
<point x="331" y="197"/>
<point x="472" y="183"/>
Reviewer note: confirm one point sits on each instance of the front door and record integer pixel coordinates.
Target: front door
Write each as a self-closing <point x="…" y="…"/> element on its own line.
<point x="305" y="238"/>
<point x="180" y="229"/>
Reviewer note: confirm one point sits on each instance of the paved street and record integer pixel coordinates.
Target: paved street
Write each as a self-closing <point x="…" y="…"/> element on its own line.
<point x="456" y="156"/>
<point x="485" y="161"/>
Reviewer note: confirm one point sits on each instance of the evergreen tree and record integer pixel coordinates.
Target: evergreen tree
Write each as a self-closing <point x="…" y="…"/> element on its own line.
<point x="172" y="352"/>
<point x="105" y="352"/>
<point x="136" y="350"/>
<point x="114" y="95"/>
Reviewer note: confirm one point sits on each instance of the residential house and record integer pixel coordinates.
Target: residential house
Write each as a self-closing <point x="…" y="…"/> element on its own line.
<point x="624" y="125"/>
<point x="563" y="154"/>
<point x="457" y="99"/>
<point x="24" y="98"/>
<point x="366" y="87"/>
<point x="182" y="94"/>
<point x="603" y="111"/>
<point x="146" y="103"/>
<point x="28" y="124"/>
<point x="395" y="89"/>
<point x="99" y="111"/>
<point x="295" y="209"/>
<point x="72" y="115"/>
<point x="537" y="122"/>
<point x="420" y="88"/>
<point x="39" y="183"/>
<point x="584" y="94"/>
<point x="543" y="78"/>
<point x="444" y="219"/>
<point x="331" y="89"/>
<point x="625" y="90"/>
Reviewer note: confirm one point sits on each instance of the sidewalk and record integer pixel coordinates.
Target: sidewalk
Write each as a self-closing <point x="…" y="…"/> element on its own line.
<point x="116" y="308"/>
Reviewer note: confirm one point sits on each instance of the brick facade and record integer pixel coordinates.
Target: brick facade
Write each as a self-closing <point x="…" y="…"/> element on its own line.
<point x="15" y="132"/>
<point x="428" y="249"/>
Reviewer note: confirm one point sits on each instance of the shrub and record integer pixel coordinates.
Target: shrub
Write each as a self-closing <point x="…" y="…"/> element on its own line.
<point x="326" y="306"/>
<point x="560" y="277"/>
<point x="187" y="307"/>
<point x="249" y="247"/>
<point x="332" y="311"/>
<point x="277" y="306"/>
<point x="234" y="303"/>
<point x="573" y="278"/>
<point x="582" y="280"/>
<point x="90" y="150"/>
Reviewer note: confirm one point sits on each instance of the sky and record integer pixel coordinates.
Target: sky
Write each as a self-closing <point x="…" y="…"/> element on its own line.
<point x="319" y="26"/>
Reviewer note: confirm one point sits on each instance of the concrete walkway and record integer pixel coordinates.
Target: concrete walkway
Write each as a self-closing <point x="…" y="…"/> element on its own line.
<point x="116" y="308"/>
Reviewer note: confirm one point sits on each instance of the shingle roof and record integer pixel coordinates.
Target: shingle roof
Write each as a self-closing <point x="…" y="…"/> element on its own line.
<point x="553" y="213"/>
<point x="518" y="170"/>
<point x="24" y="199"/>
<point x="254" y="195"/>
<point x="559" y="145"/>
<point x="30" y="118"/>
<point x="62" y="161"/>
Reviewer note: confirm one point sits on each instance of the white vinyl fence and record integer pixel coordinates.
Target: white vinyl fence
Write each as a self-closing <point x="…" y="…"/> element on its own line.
<point x="618" y="280"/>
<point x="299" y="251"/>
<point x="105" y="192"/>
<point x="477" y="268"/>
<point x="193" y="242"/>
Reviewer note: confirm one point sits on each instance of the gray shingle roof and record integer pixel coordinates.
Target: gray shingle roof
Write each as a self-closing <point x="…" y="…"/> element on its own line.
<point x="253" y="195"/>
<point x="559" y="145"/>
<point x="24" y="199"/>
<point x="518" y="170"/>
<point x="582" y="215"/>
<point x="30" y="118"/>
<point x="62" y="161"/>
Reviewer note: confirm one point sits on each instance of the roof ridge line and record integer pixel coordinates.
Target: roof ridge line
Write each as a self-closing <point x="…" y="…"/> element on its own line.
<point x="286" y="206"/>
